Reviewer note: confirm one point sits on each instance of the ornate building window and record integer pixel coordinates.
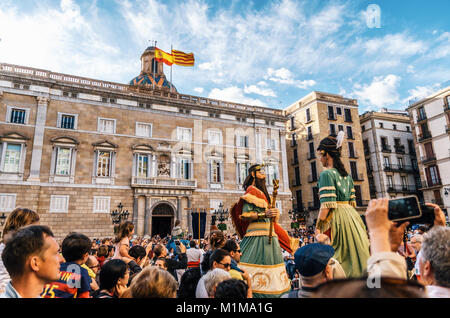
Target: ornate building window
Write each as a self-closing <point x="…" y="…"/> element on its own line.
<point x="104" y="162"/>
<point x="12" y="156"/>
<point x="63" y="159"/>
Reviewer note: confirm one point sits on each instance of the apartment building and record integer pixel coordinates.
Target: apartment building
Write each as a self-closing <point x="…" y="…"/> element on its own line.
<point x="430" y="123"/>
<point x="389" y="149"/>
<point x="73" y="148"/>
<point x="311" y="119"/>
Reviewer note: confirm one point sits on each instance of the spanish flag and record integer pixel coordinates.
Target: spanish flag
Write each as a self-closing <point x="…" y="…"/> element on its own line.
<point x="164" y="57"/>
<point x="183" y="59"/>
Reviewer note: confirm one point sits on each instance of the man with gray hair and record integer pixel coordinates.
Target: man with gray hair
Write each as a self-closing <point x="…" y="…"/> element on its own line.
<point x="434" y="262"/>
<point x="214" y="278"/>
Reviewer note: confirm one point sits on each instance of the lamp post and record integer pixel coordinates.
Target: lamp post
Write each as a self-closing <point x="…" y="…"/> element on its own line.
<point x="118" y="215"/>
<point x="221" y="215"/>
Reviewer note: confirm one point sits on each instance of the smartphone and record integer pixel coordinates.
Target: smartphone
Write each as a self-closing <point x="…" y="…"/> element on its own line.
<point x="404" y="209"/>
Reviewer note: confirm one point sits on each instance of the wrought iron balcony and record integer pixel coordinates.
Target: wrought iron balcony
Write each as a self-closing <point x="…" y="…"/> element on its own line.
<point x="367" y="151"/>
<point x="400" y="168"/>
<point x="424" y="136"/>
<point x="428" y="159"/>
<point x="421" y="117"/>
<point x="294" y="161"/>
<point x="400" y="188"/>
<point x="386" y="148"/>
<point x="309" y="137"/>
<point x="357" y="176"/>
<point x="399" y="149"/>
<point x="163" y="182"/>
<point x="431" y="183"/>
<point x="311" y="156"/>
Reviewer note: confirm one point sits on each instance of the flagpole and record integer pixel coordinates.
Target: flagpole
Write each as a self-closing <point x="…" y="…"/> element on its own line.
<point x="154" y="67"/>
<point x="171" y="48"/>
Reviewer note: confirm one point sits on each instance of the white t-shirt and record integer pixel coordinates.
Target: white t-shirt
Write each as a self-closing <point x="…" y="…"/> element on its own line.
<point x="193" y="254"/>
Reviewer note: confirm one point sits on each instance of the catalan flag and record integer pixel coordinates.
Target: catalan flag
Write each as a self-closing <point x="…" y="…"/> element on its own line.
<point x="164" y="57"/>
<point x="183" y="59"/>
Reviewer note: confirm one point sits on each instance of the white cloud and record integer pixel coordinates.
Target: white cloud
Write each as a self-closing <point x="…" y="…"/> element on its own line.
<point x="233" y="94"/>
<point x="253" y="89"/>
<point x="410" y="69"/>
<point x="421" y="92"/>
<point x="62" y="39"/>
<point x="199" y="90"/>
<point x="285" y="76"/>
<point x="395" y="44"/>
<point x="381" y="92"/>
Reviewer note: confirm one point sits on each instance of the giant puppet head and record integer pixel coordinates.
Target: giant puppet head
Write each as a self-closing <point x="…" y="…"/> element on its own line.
<point x="257" y="178"/>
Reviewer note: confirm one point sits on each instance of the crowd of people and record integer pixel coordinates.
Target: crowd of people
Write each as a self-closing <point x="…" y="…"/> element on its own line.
<point x="404" y="262"/>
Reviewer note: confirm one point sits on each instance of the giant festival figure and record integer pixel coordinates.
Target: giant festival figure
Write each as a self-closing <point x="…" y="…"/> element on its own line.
<point x="337" y="216"/>
<point x="261" y="258"/>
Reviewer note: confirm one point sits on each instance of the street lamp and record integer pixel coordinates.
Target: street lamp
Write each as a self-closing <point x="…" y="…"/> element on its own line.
<point x="221" y="215"/>
<point x="118" y="215"/>
<point x="2" y="219"/>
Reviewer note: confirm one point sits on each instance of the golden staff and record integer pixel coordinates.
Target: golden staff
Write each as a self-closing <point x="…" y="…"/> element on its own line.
<point x="274" y="199"/>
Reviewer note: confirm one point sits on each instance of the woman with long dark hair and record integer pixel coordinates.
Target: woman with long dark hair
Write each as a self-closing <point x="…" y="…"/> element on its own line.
<point x="337" y="216"/>
<point x="114" y="278"/>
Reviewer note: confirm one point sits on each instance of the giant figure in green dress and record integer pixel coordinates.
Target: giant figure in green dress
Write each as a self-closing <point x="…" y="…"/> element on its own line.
<point x="337" y="216"/>
<point x="251" y="218"/>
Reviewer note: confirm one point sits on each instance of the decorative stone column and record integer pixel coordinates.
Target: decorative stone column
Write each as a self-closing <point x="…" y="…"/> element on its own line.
<point x="38" y="141"/>
<point x="284" y="161"/>
<point x="147" y="215"/>
<point x="135" y="211"/>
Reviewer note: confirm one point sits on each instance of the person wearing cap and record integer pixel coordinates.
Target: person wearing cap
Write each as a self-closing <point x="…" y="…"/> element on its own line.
<point x="313" y="262"/>
<point x="262" y="260"/>
<point x="337" y="215"/>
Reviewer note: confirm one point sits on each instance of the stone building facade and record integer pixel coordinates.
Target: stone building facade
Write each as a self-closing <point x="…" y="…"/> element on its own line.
<point x="73" y="148"/>
<point x="390" y="154"/>
<point x="430" y="122"/>
<point x="311" y="119"/>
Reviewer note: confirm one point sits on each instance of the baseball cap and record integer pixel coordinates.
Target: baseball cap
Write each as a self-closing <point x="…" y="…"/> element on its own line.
<point x="312" y="259"/>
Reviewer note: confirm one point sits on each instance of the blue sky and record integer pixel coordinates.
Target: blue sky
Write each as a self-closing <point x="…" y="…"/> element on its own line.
<point x="268" y="53"/>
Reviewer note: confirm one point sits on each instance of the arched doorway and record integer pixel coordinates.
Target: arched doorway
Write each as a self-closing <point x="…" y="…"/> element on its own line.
<point x="162" y="219"/>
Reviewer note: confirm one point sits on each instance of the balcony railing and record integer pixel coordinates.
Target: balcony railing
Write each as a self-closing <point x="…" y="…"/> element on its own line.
<point x="366" y="151"/>
<point x="428" y="159"/>
<point x="432" y="183"/>
<point x="309" y="137"/>
<point x="424" y="136"/>
<point x="400" y="168"/>
<point x="312" y="178"/>
<point x="357" y="176"/>
<point x="294" y="161"/>
<point x="386" y="148"/>
<point x="421" y="117"/>
<point x="163" y="182"/>
<point x="399" y="149"/>
<point x="402" y="188"/>
<point x="311" y="156"/>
